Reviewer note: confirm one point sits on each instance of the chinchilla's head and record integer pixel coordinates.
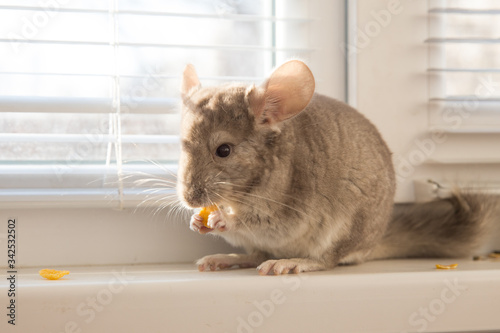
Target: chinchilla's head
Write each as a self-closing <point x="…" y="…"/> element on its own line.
<point x="230" y="134"/>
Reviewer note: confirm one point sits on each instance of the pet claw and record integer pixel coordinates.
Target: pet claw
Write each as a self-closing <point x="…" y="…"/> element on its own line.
<point x="215" y="221"/>
<point x="226" y="261"/>
<point x="286" y="266"/>
<point x="196" y="224"/>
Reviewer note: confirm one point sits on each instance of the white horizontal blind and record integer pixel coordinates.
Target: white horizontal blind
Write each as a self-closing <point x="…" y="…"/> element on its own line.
<point x="89" y="89"/>
<point x="418" y="66"/>
<point x="464" y="72"/>
<point x="464" y="92"/>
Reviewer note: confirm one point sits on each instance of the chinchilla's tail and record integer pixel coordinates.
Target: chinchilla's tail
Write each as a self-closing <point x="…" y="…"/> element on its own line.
<point x="463" y="225"/>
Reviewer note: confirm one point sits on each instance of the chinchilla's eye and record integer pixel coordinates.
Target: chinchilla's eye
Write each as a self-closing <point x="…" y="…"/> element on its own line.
<point x="223" y="150"/>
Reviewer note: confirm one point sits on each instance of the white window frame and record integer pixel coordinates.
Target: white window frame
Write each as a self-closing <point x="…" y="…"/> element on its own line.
<point x="57" y="237"/>
<point x="93" y="228"/>
<point x="325" y="60"/>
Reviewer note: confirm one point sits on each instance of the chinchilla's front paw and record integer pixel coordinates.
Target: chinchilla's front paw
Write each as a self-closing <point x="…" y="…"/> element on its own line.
<point x="196" y="224"/>
<point x="215" y="222"/>
<point x="294" y="265"/>
<point x="225" y="261"/>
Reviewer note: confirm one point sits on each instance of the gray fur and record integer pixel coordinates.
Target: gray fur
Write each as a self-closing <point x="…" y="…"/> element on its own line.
<point x="460" y="226"/>
<point x="312" y="187"/>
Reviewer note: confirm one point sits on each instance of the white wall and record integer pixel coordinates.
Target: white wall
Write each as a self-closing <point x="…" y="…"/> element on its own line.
<point x="58" y="237"/>
<point x="392" y="89"/>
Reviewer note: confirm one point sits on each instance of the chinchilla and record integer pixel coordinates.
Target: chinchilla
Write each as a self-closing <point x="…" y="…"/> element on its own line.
<point x="304" y="182"/>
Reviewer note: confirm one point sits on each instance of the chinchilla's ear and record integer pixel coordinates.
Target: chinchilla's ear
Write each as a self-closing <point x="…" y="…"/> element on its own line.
<point x="190" y="80"/>
<point x="287" y="92"/>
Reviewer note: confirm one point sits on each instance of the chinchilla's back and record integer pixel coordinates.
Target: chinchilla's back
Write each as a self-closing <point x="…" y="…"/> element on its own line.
<point x="362" y="179"/>
<point x="342" y="168"/>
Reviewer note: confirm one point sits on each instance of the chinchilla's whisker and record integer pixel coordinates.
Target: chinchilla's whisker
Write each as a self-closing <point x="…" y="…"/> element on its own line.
<point x="267" y="199"/>
<point x="153" y="200"/>
<point x="158" y="210"/>
<point x="143" y="173"/>
<point x="261" y="197"/>
<point x="154" y="182"/>
<point x="242" y="222"/>
<point x="178" y="209"/>
<point x="162" y="185"/>
<point x="150" y="187"/>
<point x="158" y="165"/>
<point x="156" y="191"/>
<point x="159" y="182"/>
<point x="162" y="207"/>
<point x="245" y="201"/>
<point x="160" y="200"/>
<point x="218" y="174"/>
<point x="169" y="209"/>
<point x="301" y="212"/>
<point x="210" y="178"/>
<point x="113" y="183"/>
<point x="251" y="186"/>
<point x="212" y="203"/>
<point x="232" y="184"/>
<point x="141" y="178"/>
<point x="145" y="204"/>
<point x="152" y="190"/>
<point x="170" y="172"/>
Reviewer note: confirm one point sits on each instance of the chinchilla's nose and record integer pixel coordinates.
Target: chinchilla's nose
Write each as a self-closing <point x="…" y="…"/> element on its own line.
<point x="194" y="194"/>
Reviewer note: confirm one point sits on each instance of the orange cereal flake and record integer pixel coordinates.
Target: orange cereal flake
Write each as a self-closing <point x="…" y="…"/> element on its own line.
<point x="452" y="266"/>
<point x="205" y="211"/>
<point x="52" y="274"/>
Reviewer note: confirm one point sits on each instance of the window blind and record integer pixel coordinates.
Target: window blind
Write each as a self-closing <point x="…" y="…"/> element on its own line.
<point x="89" y="89"/>
<point x="464" y="67"/>
<point x="464" y="94"/>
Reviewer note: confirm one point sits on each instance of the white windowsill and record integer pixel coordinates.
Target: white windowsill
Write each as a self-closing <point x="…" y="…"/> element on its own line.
<point x="377" y="296"/>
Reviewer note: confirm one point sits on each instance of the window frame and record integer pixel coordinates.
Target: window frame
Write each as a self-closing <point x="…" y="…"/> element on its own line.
<point x="92" y="229"/>
<point x="71" y="185"/>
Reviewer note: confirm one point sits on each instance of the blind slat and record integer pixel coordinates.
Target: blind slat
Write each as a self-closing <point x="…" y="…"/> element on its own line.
<point x="83" y="197"/>
<point x="465" y="130"/>
<point x="430" y="189"/>
<point x="142" y="76"/>
<point x="464" y="99"/>
<point x="464" y="11"/>
<point x="224" y="16"/>
<point x="47" y="170"/>
<point x="462" y="160"/>
<point x="85" y="105"/>
<point x="82" y="138"/>
<point x="465" y="70"/>
<point x="163" y="45"/>
<point x="463" y="40"/>
<point x="44" y="192"/>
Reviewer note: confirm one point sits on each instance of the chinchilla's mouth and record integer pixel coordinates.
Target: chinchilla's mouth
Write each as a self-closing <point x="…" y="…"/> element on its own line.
<point x="198" y="203"/>
<point x="192" y="196"/>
